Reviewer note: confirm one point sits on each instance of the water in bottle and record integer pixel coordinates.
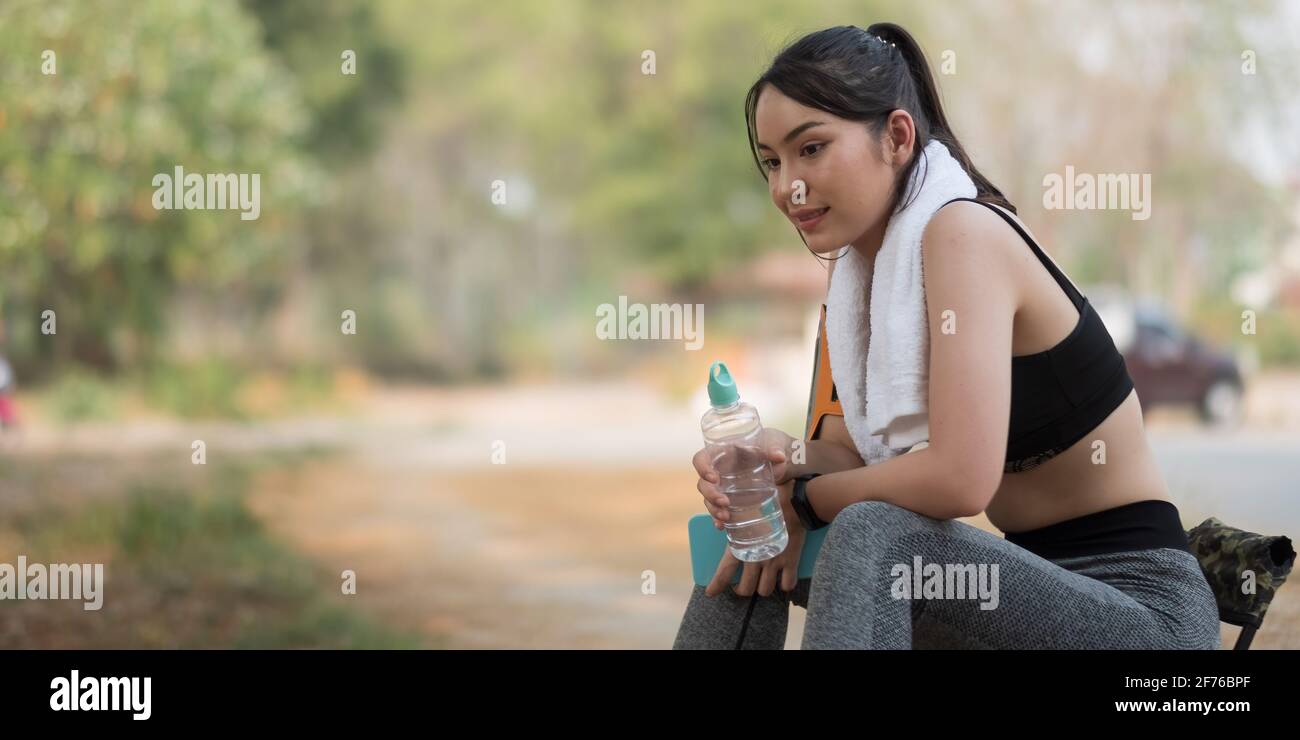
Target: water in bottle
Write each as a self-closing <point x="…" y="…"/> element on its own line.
<point x="733" y="436"/>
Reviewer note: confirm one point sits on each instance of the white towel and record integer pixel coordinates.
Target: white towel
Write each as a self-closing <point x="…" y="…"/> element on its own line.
<point x="883" y="385"/>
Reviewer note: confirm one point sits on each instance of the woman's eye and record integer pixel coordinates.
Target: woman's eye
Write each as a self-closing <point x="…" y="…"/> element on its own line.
<point x="808" y="150"/>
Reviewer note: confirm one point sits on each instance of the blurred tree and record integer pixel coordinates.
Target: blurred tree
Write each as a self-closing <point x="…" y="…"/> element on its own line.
<point x="309" y="37"/>
<point x="141" y="86"/>
<point x="610" y="171"/>
<point x="345" y="254"/>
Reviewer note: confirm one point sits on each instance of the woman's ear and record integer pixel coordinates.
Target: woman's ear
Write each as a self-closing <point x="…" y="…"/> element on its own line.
<point x="900" y="137"/>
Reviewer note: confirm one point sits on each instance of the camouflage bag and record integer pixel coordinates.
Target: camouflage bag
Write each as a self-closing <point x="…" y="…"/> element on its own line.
<point x="1229" y="557"/>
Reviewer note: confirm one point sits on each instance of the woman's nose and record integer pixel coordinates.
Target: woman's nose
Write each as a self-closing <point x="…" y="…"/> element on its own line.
<point x="790" y="188"/>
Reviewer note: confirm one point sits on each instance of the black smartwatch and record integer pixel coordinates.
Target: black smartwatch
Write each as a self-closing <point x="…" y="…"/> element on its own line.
<point x="799" y="502"/>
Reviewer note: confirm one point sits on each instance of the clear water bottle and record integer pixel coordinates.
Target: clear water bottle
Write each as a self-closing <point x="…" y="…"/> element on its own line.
<point x="733" y="436"/>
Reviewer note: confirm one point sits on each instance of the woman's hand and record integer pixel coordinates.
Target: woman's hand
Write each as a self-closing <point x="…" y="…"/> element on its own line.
<point x="765" y="575"/>
<point x="778" y="445"/>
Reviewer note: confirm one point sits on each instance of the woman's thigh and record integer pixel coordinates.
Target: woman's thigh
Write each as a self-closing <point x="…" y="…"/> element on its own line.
<point x="887" y="577"/>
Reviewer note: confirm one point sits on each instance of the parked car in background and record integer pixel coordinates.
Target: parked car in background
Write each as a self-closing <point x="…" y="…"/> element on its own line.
<point x="1169" y="365"/>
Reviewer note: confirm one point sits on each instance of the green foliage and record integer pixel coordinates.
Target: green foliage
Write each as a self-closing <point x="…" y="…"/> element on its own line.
<point x="80" y="395"/>
<point x="197" y="569"/>
<point x="141" y="87"/>
<point x="215" y="387"/>
<point x="649" y="169"/>
<point x="1278" y="333"/>
<point x="205" y="388"/>
<point x="1275" y="343"/>
<point x="309" y="37"/>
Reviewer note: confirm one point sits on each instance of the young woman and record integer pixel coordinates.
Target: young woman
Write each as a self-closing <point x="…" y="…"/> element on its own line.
<point x="1095" y="555"/>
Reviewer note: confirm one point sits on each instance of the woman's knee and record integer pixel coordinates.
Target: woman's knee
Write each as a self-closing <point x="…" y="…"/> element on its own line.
<point x="868" y="529"/>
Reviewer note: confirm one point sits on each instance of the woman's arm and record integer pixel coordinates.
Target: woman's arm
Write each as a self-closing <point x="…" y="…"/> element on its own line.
<point x="832" y="452"/>
<point x="971" y="301"/>
<point x="917" y="481"/>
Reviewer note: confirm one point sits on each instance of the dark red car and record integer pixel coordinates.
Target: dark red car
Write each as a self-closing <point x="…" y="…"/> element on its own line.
<point x="1170" y="366"/>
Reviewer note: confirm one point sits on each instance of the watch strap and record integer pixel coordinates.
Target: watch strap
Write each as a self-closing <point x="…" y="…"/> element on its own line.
<point x="799" y="502"/>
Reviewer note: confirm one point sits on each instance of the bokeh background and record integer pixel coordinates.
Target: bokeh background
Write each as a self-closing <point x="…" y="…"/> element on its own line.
<point x="492" y="472"/>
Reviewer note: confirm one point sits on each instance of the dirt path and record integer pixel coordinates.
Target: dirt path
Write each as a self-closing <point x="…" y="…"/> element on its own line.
<point x="509" y="557"/>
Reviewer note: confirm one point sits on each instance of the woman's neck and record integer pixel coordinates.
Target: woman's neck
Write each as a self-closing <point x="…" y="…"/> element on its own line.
<point x="868" y="245"/>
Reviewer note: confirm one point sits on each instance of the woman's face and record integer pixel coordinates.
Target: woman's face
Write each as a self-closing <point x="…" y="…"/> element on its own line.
<point x="847" y="176"/>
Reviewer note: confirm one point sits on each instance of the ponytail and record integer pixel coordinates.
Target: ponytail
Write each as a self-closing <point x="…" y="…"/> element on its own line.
<point x="931" y="123"/>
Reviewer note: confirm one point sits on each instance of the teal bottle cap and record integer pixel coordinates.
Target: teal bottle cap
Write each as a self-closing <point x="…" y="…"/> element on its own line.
<point x="722" y="389"/>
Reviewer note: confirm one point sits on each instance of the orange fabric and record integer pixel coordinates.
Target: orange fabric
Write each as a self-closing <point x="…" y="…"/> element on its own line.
<point x="822" y="397"/>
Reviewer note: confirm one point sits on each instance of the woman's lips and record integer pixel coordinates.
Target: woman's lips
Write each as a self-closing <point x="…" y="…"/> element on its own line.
<point x="810" y="223"/>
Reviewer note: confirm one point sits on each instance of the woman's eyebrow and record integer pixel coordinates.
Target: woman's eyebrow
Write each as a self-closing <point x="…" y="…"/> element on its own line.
<point x="794" y="132"/>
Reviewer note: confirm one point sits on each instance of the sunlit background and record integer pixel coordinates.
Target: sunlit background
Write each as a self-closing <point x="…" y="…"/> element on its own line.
<point x="491" y="471"/>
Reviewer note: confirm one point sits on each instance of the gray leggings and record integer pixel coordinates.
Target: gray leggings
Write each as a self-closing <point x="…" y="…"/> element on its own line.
<point x="861" y="595"/>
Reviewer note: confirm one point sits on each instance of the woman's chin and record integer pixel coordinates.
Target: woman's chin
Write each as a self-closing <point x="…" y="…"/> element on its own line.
<point x="825" y="248"/>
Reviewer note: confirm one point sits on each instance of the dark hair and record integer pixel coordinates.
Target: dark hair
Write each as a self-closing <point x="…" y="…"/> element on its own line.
<point x="851" y="74"/>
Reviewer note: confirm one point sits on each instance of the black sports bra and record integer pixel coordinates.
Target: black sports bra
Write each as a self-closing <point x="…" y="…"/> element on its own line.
<point x="1060" y="394"/>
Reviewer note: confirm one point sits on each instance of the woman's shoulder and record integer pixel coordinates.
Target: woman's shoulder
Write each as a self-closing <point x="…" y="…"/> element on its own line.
<point x="967" y="225"/>
<point x="969" y="215"/>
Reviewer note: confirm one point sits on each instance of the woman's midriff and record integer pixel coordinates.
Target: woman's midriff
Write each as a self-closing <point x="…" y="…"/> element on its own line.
<point x="1077" y="482"/>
